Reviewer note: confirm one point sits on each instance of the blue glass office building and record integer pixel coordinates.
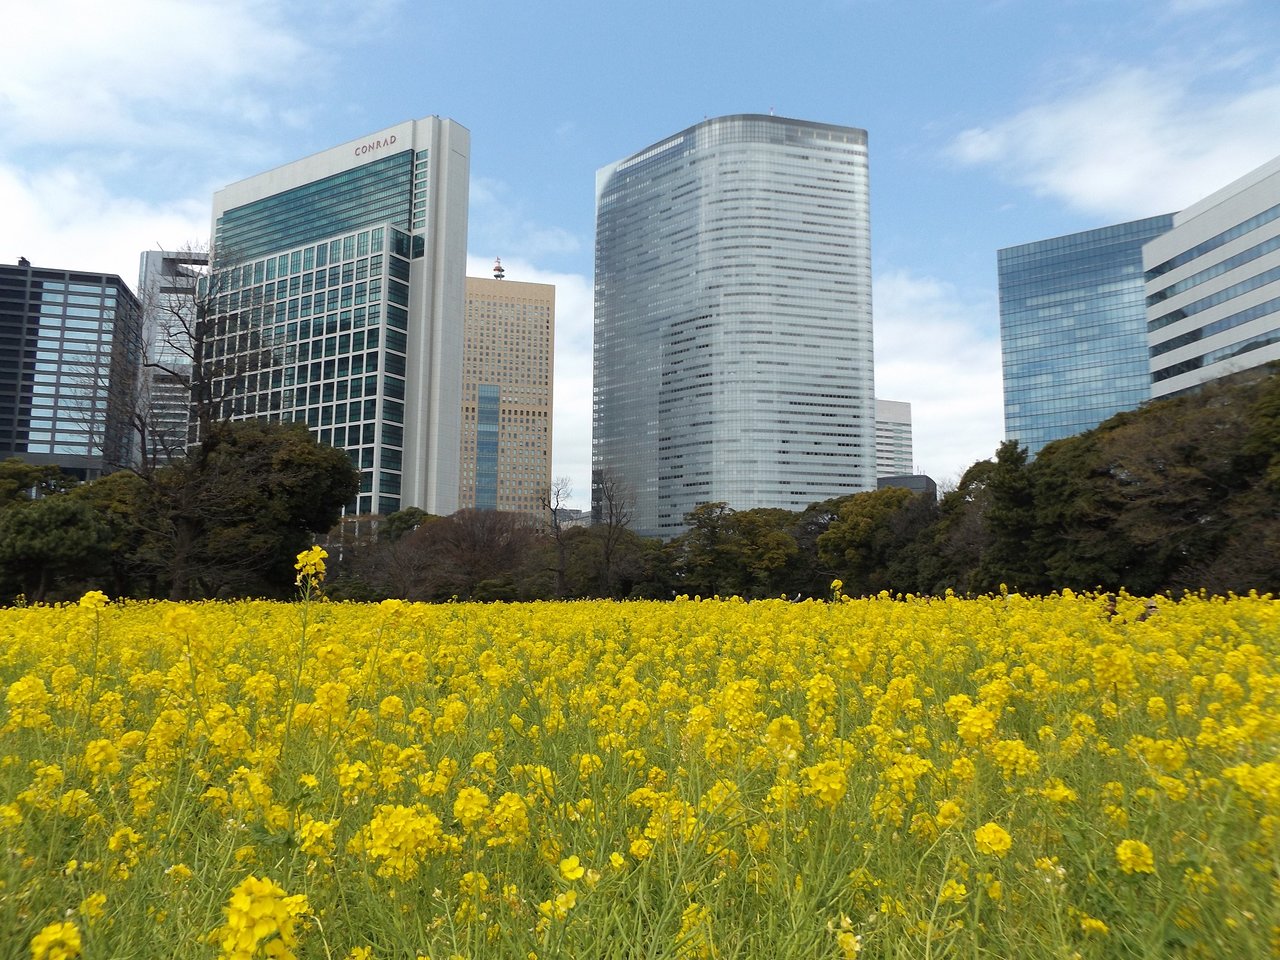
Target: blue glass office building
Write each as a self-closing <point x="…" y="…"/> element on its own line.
<point x="337" y="290"/>
<point x="1073" y="330"/>
<point x="733" y="347"/>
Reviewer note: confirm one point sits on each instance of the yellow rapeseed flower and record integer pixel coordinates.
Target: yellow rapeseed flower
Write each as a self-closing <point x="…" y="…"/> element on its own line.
<point x="826" y="782"/>
<point x="93" y="906"/>
<point x="1134" y="856"/>
<point x="57" y="941"/>
<point x="310" y="564"/>
<point x="992" y="839"/>
<point x="470" y="807"/>
<point x="571" y="868"/>
<point x="94" y="600"/>
<point x="258" y="912"/>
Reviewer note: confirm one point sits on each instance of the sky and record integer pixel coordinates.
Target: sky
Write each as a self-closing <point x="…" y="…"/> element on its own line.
<point x="991" y="123"/>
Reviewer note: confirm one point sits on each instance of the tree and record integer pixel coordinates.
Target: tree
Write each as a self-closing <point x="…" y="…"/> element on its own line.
<point x="402" y="523"/>
<point x="121" y="501"/>
<point x="730" y="552"/>
<point x="21" y="481"/>
<point x="50" y="541"/>
<point x="760" y="549"/>
<point x="868" y="541"/>
<point x="473" y="555"/>
<point x="175" y="287"/>
<point x="554" y="502"/>
<point x="700" y="550"/>
<point x="1173" y="495"/>
<point x="230" y="518"/>
<point x="388" y="565"/>
<point x="203" y="340"/>
<point x="612" y="503"/>
<point x="807" y="575"/>
<point x="1010" y="522"/>
<point x="951" y="549"/>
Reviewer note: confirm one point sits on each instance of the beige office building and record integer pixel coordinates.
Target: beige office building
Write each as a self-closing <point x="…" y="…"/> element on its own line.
<point x="507" y="377"/>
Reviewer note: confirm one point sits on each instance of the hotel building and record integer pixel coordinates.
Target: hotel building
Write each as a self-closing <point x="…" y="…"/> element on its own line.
<point x="336" y="299"/>
<point x="733" y="347"/>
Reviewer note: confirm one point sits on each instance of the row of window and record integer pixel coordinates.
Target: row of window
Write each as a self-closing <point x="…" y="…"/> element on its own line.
<point x="1216" y="270"/>
<point x="1221" y="296"/>
<point x="1229" y="352"/>
<point x="1230" y="322"/>
<point x="1214" y="242"/>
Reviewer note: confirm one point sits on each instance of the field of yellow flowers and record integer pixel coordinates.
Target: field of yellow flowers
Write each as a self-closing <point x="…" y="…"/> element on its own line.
<point x="1002" y="777"/>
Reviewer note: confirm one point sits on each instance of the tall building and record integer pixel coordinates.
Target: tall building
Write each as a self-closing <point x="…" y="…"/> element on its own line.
<point x="337" y="300"/>
<point x="168" y="282"/>
<point x="733" y="347"/>
<point x="893" y="439"/>
<point x="1073" y="330"/>
<point x="70" y="352"/>
<point x="1213" y="285"/>
<point x="507" y="377"/>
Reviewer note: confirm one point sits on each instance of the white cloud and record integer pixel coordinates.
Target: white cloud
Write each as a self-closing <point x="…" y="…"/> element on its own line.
<point x="937" y="350"/>
<point x="498" y="221"/>
<point x="138" y="72"/>
<point x="1135" y="143"/>
<point x="118" y="118"/>
<point x="571" y="420"/>
<point x="64" y="217"/>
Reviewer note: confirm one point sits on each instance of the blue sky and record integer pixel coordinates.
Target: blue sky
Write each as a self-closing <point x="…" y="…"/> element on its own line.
<point x="991" y="123"/>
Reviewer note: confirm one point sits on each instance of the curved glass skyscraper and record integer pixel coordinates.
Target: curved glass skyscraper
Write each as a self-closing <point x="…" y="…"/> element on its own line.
<point x="733" y="344"/>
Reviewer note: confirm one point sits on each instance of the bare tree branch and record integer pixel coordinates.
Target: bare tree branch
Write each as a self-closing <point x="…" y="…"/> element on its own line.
<point x="612" y="503"/>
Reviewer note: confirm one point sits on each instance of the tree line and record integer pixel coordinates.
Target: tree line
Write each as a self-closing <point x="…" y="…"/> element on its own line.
<point x="225" y="520"/>
<point x="1181" y="494"/>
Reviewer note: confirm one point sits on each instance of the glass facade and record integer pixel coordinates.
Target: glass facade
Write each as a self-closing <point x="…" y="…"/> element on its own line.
<point x="70" y="356"/>
<point x="336" y="301"/>
<point x="1073" y="330"/>
<point x="733" y="344"/>
<point x="376" y="192"/>
<point x="488" y="396"/>
<point x="322" y="342"/>
<point x="893" y="439"/>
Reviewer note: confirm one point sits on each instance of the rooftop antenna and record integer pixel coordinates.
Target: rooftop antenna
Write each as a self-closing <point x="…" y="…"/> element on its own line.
<point x="498" y="272"/>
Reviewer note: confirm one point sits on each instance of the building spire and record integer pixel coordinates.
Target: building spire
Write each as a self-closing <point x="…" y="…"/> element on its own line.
<point x="498" y="272"/>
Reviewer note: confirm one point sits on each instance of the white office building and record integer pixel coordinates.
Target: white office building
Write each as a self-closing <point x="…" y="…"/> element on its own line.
<point x="733" y="345"/>
<point x="893" y="439"/>
<point x="339" y="284"/>
<point x="167" y="286"/>
<point x="1213" y="285"/>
